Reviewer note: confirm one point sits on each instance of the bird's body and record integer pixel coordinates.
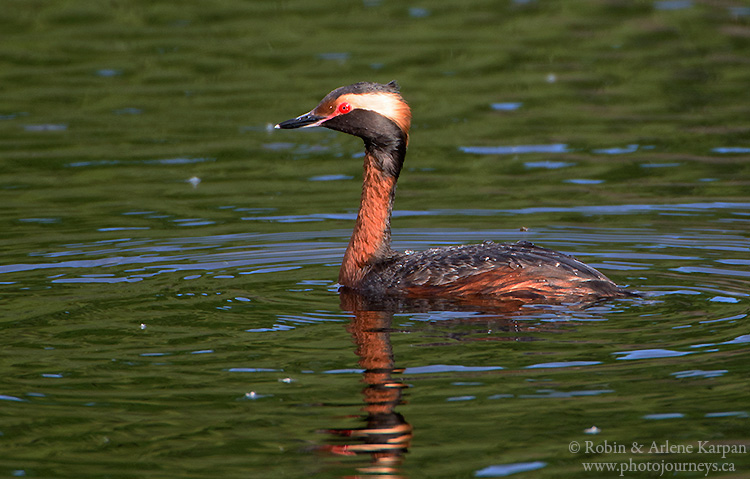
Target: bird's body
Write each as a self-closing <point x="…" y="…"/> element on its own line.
<point x="522" y="271"/>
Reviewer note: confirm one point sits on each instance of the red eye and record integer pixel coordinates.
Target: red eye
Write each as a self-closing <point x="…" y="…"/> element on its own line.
<point x="345" y="108"/>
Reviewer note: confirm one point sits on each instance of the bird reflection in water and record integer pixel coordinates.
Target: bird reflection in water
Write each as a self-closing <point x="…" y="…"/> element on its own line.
<point x="386" y="436"/>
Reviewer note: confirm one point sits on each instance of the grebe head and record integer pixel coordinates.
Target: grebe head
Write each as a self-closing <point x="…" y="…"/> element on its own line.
<point x="375" y="112"/>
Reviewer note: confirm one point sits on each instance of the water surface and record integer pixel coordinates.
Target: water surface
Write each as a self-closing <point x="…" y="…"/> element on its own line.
<point x="168" y="260"/>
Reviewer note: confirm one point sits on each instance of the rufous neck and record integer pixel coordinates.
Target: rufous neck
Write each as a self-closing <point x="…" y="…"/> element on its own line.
<point x="371" y="239"/>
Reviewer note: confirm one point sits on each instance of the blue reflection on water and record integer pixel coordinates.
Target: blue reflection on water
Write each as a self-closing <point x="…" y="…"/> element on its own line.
<point x="501" y="470"/>
<point x="515" y="149"/>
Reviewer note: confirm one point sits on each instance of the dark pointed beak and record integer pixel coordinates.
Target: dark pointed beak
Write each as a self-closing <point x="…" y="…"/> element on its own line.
<point x="303" y="121"/>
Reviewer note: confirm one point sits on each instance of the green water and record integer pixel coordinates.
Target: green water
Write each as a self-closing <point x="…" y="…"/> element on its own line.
<point x="168" y="260"/>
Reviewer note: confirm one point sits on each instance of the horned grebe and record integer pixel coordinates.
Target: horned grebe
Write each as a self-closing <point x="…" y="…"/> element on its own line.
<point x="522" y="271"/>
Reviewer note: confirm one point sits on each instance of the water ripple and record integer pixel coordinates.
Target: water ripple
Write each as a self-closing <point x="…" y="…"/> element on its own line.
<point x="650" y="354"/>
<point x="502" y="470"/>
<point x="514" y="149"/>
